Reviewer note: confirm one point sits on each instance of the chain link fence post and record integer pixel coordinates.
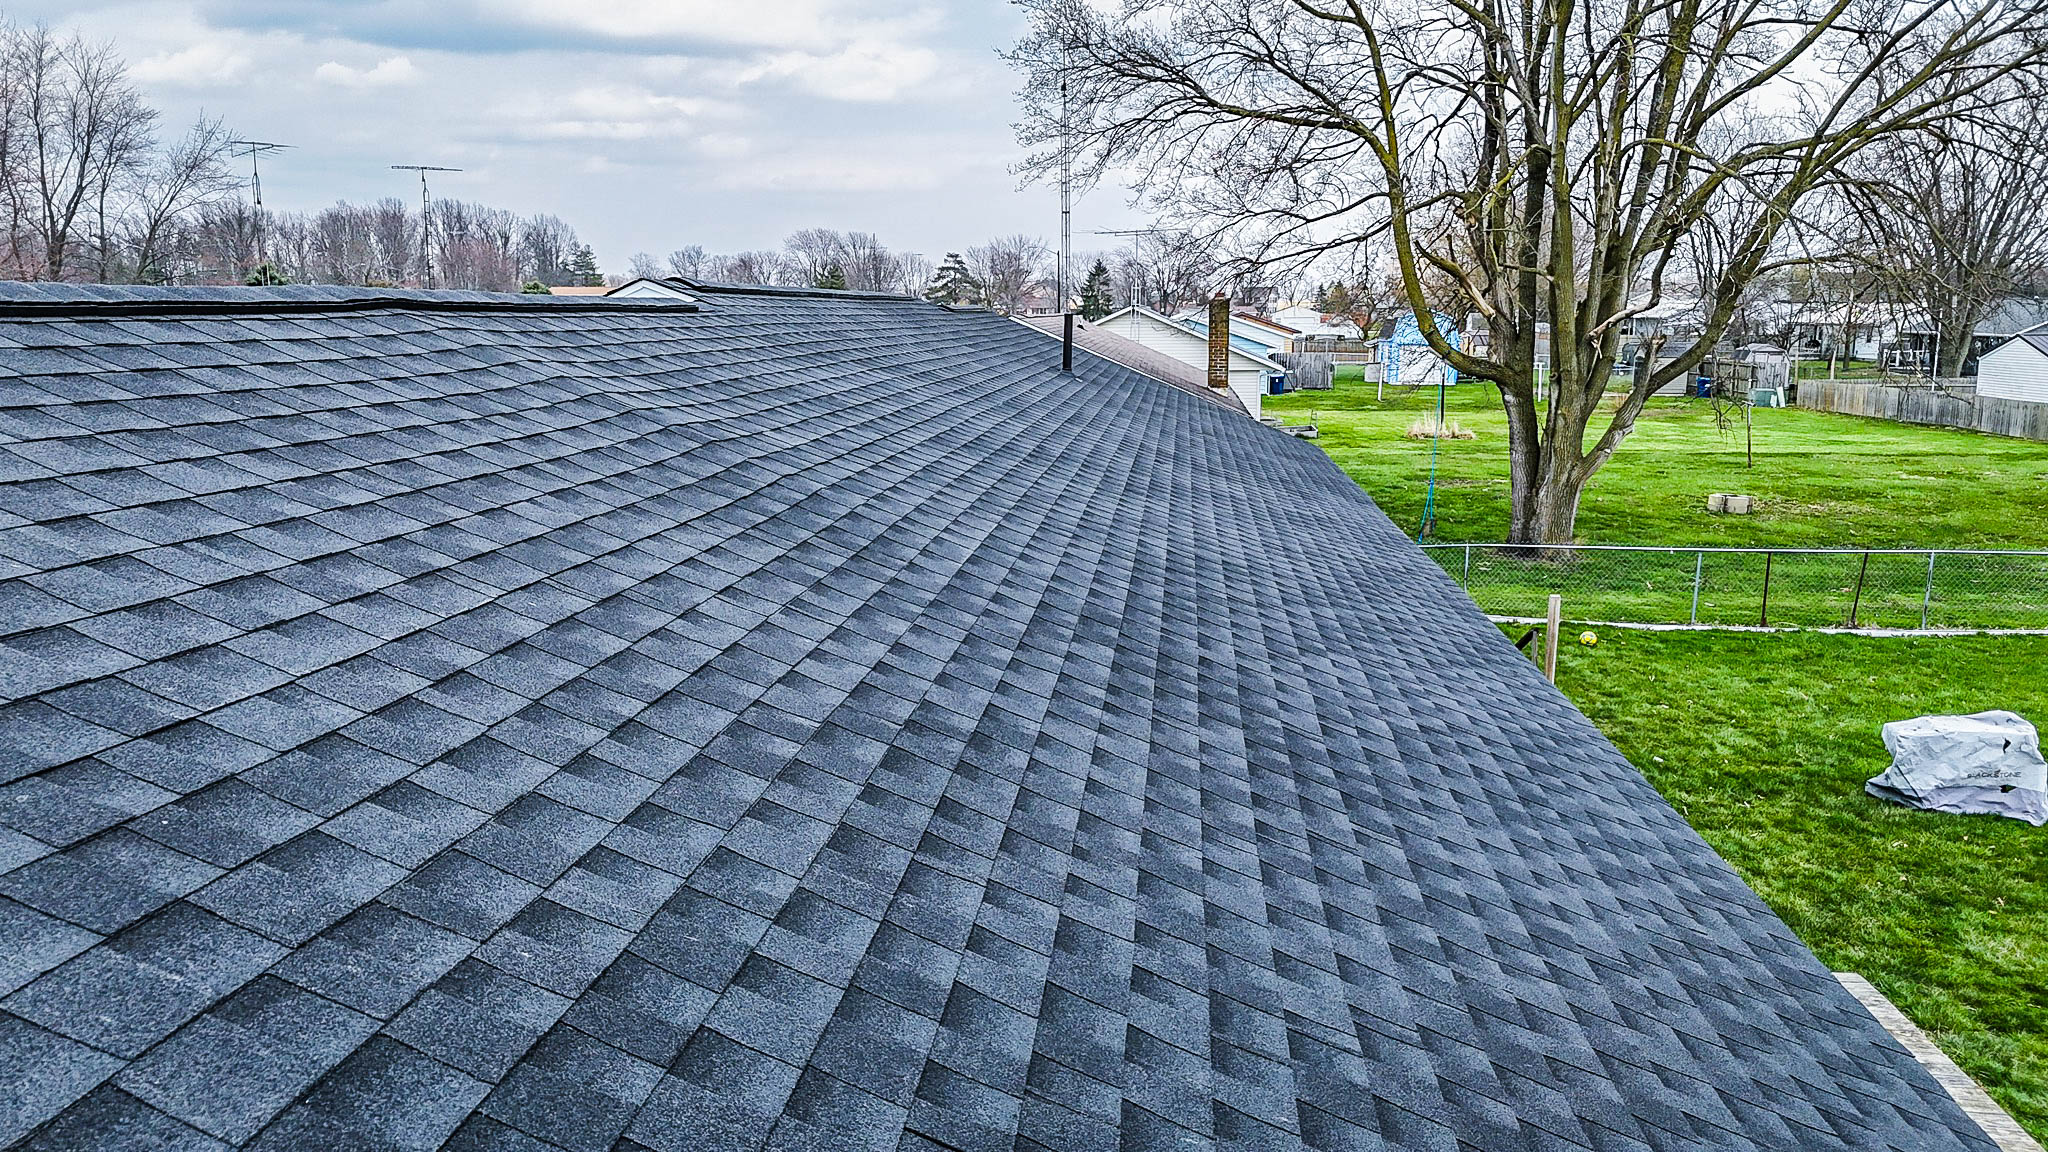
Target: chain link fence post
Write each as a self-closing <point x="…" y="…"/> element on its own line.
<point x="1802" y="587"/>
<point x="1927" y="597"/>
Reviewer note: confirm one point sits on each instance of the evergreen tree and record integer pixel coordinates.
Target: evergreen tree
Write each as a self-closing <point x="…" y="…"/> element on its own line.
<point x="583" y="268"/>
<point x="1098" y="299"/>
<point x="833" y="276"/>
<point x="535" y="288"/>
<point x="265" y="275"/>
<point x="953" y="283"/>
<point x="1337" y="301"/>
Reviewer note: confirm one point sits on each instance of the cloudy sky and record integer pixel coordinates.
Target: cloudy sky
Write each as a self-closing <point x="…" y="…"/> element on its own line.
<point x="647" y="124"/>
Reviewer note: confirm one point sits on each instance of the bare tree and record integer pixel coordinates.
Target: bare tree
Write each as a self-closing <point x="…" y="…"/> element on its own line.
<point x="475" y="247"/>
<point x="1551" y="158"/>
<point x="1008" y="268"/>
<point x="810" y="255"/>
<point x="546" y="245"/>
<point x="690" y="263"/>
<point x="1956" y="221"/>
<point x="83" y="129"/>
<point x="913" y="272"/>
<point x="1165" y="269"/>
<point x="396" y="231"/>
<point x="225" y="241"/>
<point x="749" y="268"/>
<point x="176" y="182"/>
<point x="643" y="266"/>
<point x="868" y="263"/>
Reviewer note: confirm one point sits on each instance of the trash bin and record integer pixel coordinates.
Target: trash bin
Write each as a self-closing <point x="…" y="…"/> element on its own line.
<point x="1703" y="387"/>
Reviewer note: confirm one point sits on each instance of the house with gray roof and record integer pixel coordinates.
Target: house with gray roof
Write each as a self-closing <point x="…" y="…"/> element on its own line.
<point x="1135" y="356"/>
<point x="792" y="720"/>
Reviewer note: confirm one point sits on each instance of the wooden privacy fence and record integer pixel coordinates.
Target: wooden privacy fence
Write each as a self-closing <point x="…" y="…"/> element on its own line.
<point x="1316" y="371"/>
<point x="1948" y="404"/>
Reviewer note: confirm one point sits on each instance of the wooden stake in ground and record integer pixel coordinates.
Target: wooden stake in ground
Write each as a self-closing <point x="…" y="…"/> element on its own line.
<point x="1550" y="637"/>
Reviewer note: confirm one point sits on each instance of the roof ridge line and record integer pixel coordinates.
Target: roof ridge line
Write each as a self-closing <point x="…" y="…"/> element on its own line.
<point x="788" y="291"/>
<point x="10" y="309"/>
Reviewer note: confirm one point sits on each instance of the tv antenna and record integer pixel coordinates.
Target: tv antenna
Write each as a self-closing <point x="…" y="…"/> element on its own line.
<point x="1066" y="199"/>
<point x="255" y="150"/>
<point x="426" y="219"/>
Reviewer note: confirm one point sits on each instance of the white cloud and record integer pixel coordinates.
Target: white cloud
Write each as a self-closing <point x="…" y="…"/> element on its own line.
<point x="817" y="173"/>
<point x="813" y="25"/>
<point x="613" y="112"/>
<point x="865" y="70"/>
<point x="387" y="73"/>
<point x="211" y="61"/>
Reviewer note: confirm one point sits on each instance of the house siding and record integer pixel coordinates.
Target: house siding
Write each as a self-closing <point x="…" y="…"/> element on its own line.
<point x="2015" y="371"/>
<point x="1248" y="384"/>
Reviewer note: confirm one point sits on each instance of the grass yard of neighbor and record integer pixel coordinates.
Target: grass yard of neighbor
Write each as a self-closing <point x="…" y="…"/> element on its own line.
<point x="1821" y="480"/>
<point x="1763" y="743"/>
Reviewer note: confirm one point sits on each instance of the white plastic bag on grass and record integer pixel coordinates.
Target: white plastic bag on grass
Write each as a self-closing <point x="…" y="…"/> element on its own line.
<point x="1986" y="763"/>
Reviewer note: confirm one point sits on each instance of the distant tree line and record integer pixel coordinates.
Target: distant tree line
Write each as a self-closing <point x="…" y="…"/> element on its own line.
<point x="90" y="190"/>
<point x="1163" y="270"/>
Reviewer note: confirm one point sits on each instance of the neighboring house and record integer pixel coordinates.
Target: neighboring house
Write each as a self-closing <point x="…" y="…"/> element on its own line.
<point x="1252" y="376"/>
<point x="646" y="288"/>
<point x="1410" y="361"/>
<point x="1917" y="345"/>
<point x="1852" y="330"/>
<point x="1668" y="323"/>
<point x="2016" y="369"/>
<point x="580" y="290"/>
<point x="1135" y="356"/>
<point x="1243" y="336"/>
<point x="1252" y="333"/>
<point x="806" y="721"/>
<point x="1308" y="320"/>
<point x="1038" y="302"/>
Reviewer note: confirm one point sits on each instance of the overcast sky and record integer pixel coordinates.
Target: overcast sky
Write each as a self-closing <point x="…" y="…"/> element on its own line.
<point x="647" y="124"/>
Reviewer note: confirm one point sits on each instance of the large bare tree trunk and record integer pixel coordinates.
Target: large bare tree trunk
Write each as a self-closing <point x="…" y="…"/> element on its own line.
<point x="1571" y="165"/>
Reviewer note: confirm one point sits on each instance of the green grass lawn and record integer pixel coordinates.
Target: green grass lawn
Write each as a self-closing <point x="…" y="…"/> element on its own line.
<point x="1763" y="743"/>
<point x="1821" y="480"/>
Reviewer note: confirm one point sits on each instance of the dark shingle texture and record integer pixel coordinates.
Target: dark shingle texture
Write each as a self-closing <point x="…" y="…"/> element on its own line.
<point x="805" y="722"/>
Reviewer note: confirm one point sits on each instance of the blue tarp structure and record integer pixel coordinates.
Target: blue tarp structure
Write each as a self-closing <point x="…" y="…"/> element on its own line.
<point x="1411" y="362"/>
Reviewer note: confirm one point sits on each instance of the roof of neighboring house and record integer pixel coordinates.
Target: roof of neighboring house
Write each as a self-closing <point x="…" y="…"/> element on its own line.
<point x="805" y="721"/>
<point x="1255" y="345"/>
<point x="1267" y="323"/>
<point x="650" y="286"/>
<point x="580" y="290"/>
<point x="1135" y="356"/>
<point x="2010" y="317"/>
<point x="2035" y="338"/>
<point x="1245" y="357"/>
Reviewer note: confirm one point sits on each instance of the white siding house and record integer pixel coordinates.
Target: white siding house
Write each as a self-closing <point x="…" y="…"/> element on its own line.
<point x="1248" y="373"/>
<point x="2016" y="369"/>
<point x="644" y="288"/>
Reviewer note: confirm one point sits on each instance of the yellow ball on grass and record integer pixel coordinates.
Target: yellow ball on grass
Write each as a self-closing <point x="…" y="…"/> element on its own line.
<point x="1588" y="639"/>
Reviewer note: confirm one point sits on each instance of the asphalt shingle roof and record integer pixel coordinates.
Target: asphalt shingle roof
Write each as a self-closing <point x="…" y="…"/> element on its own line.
<point x="805" y="722"/>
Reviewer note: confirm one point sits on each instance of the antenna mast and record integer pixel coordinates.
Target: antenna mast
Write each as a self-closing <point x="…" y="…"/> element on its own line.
<point x="1060" y="285"/>
<point x="254" y="150"/>
<point x="426" y="219"/>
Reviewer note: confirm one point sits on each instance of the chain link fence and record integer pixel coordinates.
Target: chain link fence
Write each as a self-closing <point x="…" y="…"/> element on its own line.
<point x="1757" y="587"/>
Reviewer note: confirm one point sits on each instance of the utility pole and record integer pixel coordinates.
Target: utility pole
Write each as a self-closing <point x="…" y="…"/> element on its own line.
<point x="254" y="149"/>
<point x="426" y="219"/>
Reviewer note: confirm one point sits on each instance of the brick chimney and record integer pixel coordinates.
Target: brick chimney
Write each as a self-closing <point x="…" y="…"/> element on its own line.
<point x="1219" y="341"/>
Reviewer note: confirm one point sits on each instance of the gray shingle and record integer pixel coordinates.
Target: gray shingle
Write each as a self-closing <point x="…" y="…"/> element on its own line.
<point x="46" y="1073"/>
<point x="809" y="721"/>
